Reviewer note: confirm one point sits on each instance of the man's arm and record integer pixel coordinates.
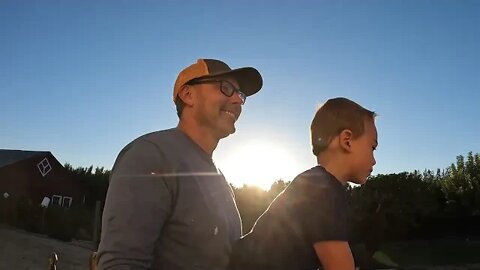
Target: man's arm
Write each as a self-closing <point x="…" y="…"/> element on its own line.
<point x="137" y="205"/>
<point x="334" y="255"/>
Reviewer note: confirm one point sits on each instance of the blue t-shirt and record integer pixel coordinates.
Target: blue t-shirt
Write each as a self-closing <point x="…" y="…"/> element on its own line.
<point x="313" y="208"/>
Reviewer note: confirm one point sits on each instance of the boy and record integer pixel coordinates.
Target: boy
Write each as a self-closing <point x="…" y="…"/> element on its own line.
<point x="305" y="227"/>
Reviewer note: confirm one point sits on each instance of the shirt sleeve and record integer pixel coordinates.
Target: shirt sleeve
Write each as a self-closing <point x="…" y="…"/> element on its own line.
<point x="320" y="211"/>
<point x="137" y="205"/>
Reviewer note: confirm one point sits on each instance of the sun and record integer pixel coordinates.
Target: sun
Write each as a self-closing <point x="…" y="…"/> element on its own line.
<point x="258" y="163"/>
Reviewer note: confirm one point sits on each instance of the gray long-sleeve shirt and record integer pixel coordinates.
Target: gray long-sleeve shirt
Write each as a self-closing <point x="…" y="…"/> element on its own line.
<point x="167" y="207"/>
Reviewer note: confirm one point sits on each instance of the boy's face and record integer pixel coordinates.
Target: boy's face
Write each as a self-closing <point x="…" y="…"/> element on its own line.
<point x="362" y="159"/>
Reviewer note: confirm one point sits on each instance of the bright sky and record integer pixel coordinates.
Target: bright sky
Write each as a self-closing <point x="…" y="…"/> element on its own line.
<point x="83" y="78"/>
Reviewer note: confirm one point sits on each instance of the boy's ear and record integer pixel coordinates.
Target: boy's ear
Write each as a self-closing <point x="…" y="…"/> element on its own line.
<point x="185" y="94"/>
<point x="346" y="140"/>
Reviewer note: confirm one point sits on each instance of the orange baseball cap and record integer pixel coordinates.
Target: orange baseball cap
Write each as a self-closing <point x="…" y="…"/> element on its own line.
<point x="248" y="78"/>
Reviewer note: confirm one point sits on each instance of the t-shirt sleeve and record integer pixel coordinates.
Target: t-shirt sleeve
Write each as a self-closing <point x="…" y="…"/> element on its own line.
<point x="320" y="211"/>
<point x="137" y="205"/>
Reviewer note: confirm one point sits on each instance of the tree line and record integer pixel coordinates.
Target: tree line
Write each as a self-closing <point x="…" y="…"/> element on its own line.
<point x="389" y="207"/>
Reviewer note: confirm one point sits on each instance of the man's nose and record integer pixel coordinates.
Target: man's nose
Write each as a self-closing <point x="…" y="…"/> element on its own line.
<point x="237" y="98"/>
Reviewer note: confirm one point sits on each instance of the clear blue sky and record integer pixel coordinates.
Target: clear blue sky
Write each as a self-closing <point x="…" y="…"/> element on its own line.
<point x="83" y="78"/>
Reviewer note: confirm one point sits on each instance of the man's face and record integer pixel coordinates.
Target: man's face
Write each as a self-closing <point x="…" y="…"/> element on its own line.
<point x="216" y="111"/>
<point x="362" y="157"/>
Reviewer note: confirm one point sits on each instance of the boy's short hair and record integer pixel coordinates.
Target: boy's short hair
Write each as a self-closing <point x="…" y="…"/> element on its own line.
<point x="333" y="117"/>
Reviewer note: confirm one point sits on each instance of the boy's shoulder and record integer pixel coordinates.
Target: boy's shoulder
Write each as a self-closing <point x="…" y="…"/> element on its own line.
<point x="317" y="176"/>
<point x="314" y="172"/>
<point x="315" y="183"/>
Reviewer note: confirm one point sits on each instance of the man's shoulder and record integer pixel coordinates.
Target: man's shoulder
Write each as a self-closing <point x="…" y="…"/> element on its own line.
<point x="148" y="144"/>
<point x="159" y="136"/>
<point x="156" y="138"/>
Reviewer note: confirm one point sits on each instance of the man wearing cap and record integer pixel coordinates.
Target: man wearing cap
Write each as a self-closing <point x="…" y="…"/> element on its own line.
<point x="167" y="205"/>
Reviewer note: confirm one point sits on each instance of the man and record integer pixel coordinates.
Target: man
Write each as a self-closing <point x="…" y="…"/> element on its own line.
<point x="168" y="206"/>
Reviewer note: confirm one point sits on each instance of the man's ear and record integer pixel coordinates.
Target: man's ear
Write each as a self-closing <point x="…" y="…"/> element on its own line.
<point x="185" y="94"/>
<point x="346" y="137"/>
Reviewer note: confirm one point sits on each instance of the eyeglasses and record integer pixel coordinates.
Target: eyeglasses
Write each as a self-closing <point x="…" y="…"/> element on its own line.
<point x="226" y="87"/>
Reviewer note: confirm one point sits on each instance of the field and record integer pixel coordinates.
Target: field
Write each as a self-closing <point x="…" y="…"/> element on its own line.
<point x="434" y="253"/>
<point x="22" y="250"/>
<point x="449" y="253"/>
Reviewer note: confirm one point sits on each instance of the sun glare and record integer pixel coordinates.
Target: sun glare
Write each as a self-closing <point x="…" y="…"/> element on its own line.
<point x="258" y="163"/>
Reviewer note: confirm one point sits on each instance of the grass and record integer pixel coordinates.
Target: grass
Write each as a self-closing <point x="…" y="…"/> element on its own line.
<point x="433" y="252"/>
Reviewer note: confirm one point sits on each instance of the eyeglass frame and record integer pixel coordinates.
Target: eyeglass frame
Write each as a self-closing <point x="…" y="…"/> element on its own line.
<point x="242" y="95"/>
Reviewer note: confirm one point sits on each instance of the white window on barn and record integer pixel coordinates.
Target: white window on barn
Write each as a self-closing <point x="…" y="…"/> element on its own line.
<point x="57" y="200"/>
<point x="44" y="167"/>
<point x="67" y="202"/>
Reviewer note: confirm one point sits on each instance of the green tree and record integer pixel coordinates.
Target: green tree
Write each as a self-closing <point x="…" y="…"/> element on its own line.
<point x="461" y="186"/>
<point x="388" y="206"/>
<point x="251" y="202"/>
<point x="276" y="188"/>
<point x="95" y="182"/>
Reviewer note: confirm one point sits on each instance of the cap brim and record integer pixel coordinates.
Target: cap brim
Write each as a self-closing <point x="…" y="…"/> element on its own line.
<point x="248" y="78"/>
